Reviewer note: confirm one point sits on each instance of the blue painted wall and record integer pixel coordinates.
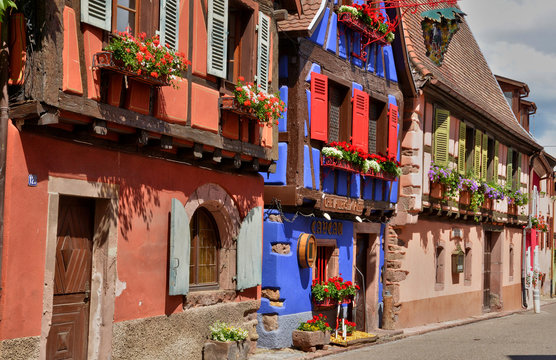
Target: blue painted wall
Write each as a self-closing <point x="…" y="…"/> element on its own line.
<point x="283" y="272"/>
<point x="344" y="47"/>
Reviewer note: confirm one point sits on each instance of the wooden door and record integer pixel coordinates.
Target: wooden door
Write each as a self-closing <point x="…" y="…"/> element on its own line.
<point x="72" y="280"/>
<point x="361" y="263"/>
<point x="486" y="270"/>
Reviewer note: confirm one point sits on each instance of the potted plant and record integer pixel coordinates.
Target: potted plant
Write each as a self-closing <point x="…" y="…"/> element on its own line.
<point x="492" y="191"/>
<point x="350" y="327"/>
<point x="312" y="334"/>
<point x="445" y="183"/>
<point x="226" y="342"/>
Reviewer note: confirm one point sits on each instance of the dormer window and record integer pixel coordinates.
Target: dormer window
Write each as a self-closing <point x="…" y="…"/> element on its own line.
<point x="509" y="97"/>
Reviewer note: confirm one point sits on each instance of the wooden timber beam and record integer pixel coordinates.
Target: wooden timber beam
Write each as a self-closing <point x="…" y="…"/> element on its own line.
<point x="101" y="111"/>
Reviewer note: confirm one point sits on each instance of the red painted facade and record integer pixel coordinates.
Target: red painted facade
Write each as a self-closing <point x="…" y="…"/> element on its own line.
<point x="146" y="187"/>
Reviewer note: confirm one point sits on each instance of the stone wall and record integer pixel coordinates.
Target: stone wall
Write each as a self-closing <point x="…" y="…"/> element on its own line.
<point x="180" y="335"/>
<point x="394" y="253"/>
<point x="21" y="349"/>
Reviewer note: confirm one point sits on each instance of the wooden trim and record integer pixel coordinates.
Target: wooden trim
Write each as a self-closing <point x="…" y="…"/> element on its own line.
<point x="286" y="194"/>
<point x="121" y="116"/>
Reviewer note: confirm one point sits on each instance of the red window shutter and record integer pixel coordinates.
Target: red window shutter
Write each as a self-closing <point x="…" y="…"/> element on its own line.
<point x="319" y="107"/>
<point x="360" y="132"/>
<point x="392" y="131"/>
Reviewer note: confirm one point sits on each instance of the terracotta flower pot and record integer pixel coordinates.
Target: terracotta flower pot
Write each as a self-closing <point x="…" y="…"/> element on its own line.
<point x="226" y="350"/>
<point x="310" y="340"/>
<point x="487" y="204"/>
<point x="465" y="197"/>
<point x="437" y="190"/>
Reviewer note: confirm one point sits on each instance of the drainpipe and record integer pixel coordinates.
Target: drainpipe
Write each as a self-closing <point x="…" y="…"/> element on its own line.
<point x="524" y="239"/>
<point x="4" y="118"/>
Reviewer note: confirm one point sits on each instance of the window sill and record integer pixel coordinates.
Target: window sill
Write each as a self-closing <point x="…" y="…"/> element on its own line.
<point x="438" y="287"/>
<point x="208" y="297"/>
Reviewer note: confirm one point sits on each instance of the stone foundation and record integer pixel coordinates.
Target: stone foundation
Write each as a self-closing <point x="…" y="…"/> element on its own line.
<point x="282" y="336"/>
<point x="180" y="335"/>
<point x="21" y="349"/>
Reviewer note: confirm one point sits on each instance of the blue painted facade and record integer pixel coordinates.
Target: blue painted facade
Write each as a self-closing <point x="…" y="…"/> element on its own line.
<point x="295" y="287"/>
<point x="281" y="271"/>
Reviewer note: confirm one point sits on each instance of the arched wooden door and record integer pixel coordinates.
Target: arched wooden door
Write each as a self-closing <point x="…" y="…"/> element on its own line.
<point x="68" y="334"/>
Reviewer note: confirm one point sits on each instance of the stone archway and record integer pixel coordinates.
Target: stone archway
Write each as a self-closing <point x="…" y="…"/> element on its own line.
<point x="226" y="215"/>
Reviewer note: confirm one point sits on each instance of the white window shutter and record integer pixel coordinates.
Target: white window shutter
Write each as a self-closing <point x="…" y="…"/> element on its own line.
<point x="249" y="250"/>
<point x="180" y="247"/>
<point x="169" y="22"/>
<point x="263" y="51"/>
<point x="217" y="31"/>
<point x="97" y="13"/>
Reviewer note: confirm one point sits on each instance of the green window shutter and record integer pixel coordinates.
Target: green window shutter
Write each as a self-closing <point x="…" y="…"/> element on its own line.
<point x="461" y="146"/>
<point x="441" y="137"/>
<point x="217" y="32"/>
<point x="509" y="168"/>
<point x="484" y="166"/>
<point x="97" y="13"/>
<point x="517" y="178"/>
<point x="169" y="23"/>
<point x="263" y="52"/>
<point x="249" y="250"/>
<point x="496" y="161"/>
<point x="180" y="245"/>
<point x="477" y="154"/>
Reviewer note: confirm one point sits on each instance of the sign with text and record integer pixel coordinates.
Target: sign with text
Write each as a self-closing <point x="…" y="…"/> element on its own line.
<point x="341" y="204"/>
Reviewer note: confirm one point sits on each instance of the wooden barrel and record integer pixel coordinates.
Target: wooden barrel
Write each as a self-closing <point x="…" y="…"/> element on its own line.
<point x="306" y="250"/>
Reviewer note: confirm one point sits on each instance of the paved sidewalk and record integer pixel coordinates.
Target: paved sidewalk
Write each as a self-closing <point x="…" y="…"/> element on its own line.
<point x="383" y="336"/>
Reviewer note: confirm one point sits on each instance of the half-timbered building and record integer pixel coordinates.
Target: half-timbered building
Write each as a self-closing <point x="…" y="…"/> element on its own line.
<point x="323" y="217"/>
<point x="456" y="246"/>
<point x="133" y="209"/>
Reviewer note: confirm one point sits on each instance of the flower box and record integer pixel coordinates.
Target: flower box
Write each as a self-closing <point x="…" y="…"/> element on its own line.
<point x="325" y="304"/>
<point x="438" y="190"/>
<point x="331" y="162"/>
<point x="229" y="103"/>
<point x="368" y="35"/>
<point x="105" y="60"/>
<point x="310" y="340"/>
<point x="226" y="350"/>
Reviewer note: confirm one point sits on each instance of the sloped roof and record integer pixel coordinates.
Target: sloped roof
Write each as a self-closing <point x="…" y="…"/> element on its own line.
<point x="464" y="71"/>
<point x="312" y="9"/>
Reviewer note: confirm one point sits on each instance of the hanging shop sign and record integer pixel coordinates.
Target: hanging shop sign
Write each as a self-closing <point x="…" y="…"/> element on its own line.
<point x="439" y="26"/>
<point x="306" y="250"/>
<point x="341" y="204"/>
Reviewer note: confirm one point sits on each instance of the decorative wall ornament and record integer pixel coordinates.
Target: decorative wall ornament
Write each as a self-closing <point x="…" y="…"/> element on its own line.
<point x="439" y="26"/>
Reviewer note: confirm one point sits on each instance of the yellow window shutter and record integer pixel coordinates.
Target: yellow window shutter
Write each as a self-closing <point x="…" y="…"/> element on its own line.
<point x="461" y="146"/>
<point x="484" y="166"/>
<point x="477" y="154"/>
<point x="509" y="168"/>
<point x="517" y="178"/>
<point x="441" y="137"/>
<point x="496" y="161"/>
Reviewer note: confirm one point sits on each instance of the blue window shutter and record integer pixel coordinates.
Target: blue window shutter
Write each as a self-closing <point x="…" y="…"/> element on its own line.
<point x="217" y="32"/>
<point x="180" y="244"/>
<point x="97" y="13"/>
<point x="169" y="23"/>
<point x="249" y="250"/>
<point x="263" y="52"/>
